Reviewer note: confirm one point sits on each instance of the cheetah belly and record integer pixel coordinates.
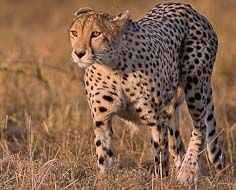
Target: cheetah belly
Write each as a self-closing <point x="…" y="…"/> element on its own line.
<point x="130" y="116"/>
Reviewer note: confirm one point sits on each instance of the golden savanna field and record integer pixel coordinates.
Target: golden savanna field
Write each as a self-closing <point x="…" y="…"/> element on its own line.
<point x="46" y="132"/>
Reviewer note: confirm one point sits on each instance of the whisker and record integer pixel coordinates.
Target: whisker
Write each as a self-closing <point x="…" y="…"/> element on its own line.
<point x="99" y="61"/>
<point x="70" y="61"/>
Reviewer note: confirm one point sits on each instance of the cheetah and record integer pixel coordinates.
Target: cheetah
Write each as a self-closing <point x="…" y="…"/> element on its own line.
<point x="142" y="71"/>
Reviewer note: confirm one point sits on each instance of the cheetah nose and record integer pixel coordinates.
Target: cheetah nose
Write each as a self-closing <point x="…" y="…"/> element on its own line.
<point x="80" y="54"/>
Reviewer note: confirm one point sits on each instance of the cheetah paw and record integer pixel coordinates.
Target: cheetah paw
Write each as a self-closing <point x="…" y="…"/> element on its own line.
<point x="188" y="173"/>
<point x="155" y="170"/>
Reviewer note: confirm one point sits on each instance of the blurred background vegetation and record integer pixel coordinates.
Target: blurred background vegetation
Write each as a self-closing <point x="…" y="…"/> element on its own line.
<point x="42" y="99"/>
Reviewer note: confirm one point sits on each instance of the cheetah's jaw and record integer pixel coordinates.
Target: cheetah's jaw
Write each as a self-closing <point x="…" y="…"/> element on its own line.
<point x="83" y="65"/>
<point x="80" y="62"/>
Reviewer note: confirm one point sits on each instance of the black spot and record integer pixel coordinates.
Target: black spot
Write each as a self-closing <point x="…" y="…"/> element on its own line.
<point x="196" y="61"/>
<point x="197" y="96"/>
<point x="195" y="80"/>
<point x="198" y="32"/>
<point x="110" y="153"/>
<point x="108" y="98"/>
<point x="212" y="133"/>
<point x="189" y="42"/>
<point x="138" y="110"/>
<point x="199" y="54"/>
<point x="101" y="160"/>
<point x="196" y="115"/>
<point x="166" y="144"/>
<point x="189" y="79"/>
<point x="132" y="94"/>
<point x="217" y="156"/>
<point x="191" y="99"/>
<point x="186" y="57"/>
<point x="102" y="109"/>
<point x="157" y="160"/>
<point x="219" y="167"/>
<point x="188" y="86"/>
<point x="156" y="145"/>
<point x="210" y="117"/>
<point x="178" y="151"/>
<point x="99" y="123"/>
<point x="213" y="149"/>
<point x="198" y="47"/>
<point x="191" y="106"/>
<point x="199" y="73"/>
<point x="200" y="109"/>
<point x="151" y="124"/>
<point x="189" y="49"/>
<point x="191" y="67"/>
<point x="98" y="143"/>
<point x="176" y="134"/>
<point x="171" y="132"/>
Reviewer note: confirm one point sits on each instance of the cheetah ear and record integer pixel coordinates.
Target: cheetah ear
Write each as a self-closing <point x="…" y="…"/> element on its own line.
<point x="82" y="11"/>
<point x="122" y="18"/>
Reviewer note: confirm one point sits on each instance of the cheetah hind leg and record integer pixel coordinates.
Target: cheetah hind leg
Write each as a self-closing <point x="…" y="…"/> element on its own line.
<point x="215" y="154"/>
<point x="176" y="146"/>
<point x="196" y="102"/>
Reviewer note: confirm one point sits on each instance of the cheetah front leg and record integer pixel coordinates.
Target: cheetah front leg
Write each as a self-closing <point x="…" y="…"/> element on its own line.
<point x="159" y="136"/>
<point x="103" y="141"/>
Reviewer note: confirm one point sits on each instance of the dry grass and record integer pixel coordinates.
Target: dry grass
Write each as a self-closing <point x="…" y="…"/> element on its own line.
<point x="46" y="138"/>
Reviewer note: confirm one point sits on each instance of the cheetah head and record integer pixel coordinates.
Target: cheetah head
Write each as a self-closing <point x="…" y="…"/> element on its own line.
<point x="95" y="36"/>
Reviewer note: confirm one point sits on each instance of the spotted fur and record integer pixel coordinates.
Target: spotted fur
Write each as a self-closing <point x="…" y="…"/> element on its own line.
<point x="138" y="69"/>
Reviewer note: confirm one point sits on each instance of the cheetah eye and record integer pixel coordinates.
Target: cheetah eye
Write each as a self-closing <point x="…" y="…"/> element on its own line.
<point x="74" y="33"/>
<point x="95" y="34"/>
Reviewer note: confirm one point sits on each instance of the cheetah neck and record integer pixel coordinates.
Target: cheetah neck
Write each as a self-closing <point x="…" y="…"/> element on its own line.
<point x="130" y="50"/>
